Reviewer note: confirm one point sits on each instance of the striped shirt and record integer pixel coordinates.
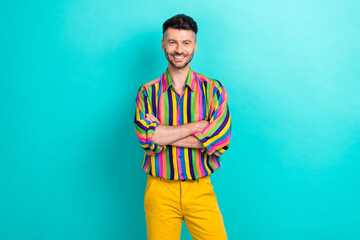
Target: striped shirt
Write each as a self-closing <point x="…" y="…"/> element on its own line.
<point x="202" y="99"/>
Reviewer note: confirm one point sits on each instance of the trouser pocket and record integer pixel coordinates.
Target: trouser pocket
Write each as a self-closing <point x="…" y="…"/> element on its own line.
<point x="149" y="183"/>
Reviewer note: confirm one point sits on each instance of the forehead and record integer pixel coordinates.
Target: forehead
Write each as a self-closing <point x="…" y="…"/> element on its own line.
<point x="179" y="34"/>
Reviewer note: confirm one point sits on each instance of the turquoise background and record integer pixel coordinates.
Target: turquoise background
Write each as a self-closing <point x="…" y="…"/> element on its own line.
<point x="70" y="163"/>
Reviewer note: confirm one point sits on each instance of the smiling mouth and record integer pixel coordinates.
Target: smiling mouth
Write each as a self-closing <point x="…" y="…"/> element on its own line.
<point x="178" y="57"/>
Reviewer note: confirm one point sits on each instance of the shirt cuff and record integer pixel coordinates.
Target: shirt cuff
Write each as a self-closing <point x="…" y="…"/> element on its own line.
<point x="207" y="147"/>
<point x="152" y="146"/>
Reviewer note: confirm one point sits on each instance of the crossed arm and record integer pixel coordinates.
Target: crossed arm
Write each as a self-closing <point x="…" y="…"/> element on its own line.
<point x="179" y="135"/>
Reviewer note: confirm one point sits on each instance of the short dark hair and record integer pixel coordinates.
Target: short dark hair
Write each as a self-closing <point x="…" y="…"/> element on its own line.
<point x="180" y="21"/>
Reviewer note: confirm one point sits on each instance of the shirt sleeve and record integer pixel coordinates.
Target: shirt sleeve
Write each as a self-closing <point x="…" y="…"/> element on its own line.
<point x="216" y="136"/>
<point x="144" y="128"/>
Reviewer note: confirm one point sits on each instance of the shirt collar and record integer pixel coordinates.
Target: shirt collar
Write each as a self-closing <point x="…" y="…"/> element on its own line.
<point x="190" y="81"/>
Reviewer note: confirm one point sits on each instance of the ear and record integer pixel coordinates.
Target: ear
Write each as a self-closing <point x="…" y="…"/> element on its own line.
<point x="162" y="44"/>
<point x="195" y="46"/>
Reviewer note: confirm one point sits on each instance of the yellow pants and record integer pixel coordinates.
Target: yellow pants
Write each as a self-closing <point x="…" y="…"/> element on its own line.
<point x="168" y="202"/>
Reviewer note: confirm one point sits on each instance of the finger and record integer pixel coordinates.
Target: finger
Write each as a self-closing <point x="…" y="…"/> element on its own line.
<point x="153" y="118"/>
<point x="148" y="119"/>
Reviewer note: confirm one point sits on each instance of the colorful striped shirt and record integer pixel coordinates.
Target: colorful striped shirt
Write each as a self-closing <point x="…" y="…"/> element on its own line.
<point x="202" y="99"/>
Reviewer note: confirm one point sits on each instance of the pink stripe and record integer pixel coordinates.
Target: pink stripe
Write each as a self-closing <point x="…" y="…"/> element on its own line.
<point x="211" y="150"/>
<point x="192" y="79"/>
<point x="200" y="101"/>
<point x="147" y="164"/>
<point x="164" y="81"/>
<point x="160" y="162"/>
<point x="198" y="165"/>
<point x="139" y="100"/>
<point x="214" y="161"/>
<point x="220" y="110"/>
<point x="227" y="139"/>
<point x="163" y="154"/>
<point x="161" y="109"/>
<point x="143" y="139"/>
<point x="179" y="162"/>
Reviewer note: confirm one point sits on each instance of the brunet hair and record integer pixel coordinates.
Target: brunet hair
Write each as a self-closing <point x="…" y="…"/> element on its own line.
<point x="180" y="22"/>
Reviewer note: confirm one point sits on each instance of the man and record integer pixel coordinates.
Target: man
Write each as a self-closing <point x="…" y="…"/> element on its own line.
<point x="183" y="123"/>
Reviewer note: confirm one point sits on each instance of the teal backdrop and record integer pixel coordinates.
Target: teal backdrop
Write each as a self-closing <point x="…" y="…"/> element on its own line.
<point x="70" y="163"/>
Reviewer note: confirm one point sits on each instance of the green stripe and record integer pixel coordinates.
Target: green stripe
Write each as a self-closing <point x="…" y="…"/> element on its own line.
<point x="193" y="106"/>
<point x="188" y="77"/>
<point x="212" y="166"/>
<point x="168" y="162"/>
<point x="166" y="103"/>
<point x="218" y="124"/>
<point x="194" y="163"/>
<point x="149" y="96"/>
<point x="142" y="104"/>
<point x="208" y="94"/>
<point x="140" y="129"/>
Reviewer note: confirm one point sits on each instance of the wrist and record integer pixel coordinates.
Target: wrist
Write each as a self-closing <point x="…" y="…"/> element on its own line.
<point x="195" y="127"/>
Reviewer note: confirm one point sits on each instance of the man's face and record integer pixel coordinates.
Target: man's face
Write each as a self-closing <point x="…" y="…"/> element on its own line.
<point x="179" y="46"/>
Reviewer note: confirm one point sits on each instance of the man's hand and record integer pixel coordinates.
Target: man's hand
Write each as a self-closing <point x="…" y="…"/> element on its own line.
<point x="201" y="125"/>
<point x="151" y="118"/>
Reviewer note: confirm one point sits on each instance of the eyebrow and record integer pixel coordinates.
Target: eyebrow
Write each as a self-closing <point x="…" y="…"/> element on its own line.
<point x="176" y="41"/>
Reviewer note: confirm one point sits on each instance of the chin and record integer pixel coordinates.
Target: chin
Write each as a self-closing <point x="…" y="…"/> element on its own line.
<point x="179" y="66"/>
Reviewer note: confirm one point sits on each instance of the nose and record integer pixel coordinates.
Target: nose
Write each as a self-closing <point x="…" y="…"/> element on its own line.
<point x="178" y="49"/>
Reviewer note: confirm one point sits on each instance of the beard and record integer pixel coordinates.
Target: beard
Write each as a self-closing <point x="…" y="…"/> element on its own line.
<point x="178" y="65"/>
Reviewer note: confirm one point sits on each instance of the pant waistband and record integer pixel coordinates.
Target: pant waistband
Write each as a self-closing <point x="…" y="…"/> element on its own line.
<point x="187" y="180"/>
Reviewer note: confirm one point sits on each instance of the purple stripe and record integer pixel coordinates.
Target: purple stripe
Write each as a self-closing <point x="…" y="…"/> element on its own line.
<point x="208" y="163"/>
<point x="188" y="114"/>
<point x="145" y="104"/>
<point x="191" y="164"/>
<point x="143" y="127"/>
<point x="172" y="170"/>
<point x="223" y="124"/>
<point x="206" y="85"/>
<point x="170" y="107"/>
<point x="202" y="162"/>
<point x="153" y="100"/>
<point x="218" y="94"/>
<point x="140" y="125"/>
<point x="205" y="99"/>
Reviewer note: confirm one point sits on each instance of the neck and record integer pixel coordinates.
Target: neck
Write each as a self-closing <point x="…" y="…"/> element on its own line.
<point x="178" y="76"/>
